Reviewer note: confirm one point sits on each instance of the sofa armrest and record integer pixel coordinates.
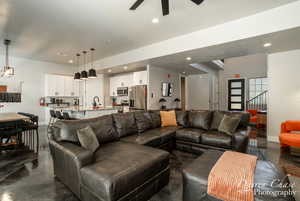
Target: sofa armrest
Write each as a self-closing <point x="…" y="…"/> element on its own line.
<point x="68" y="159"/>
<point x="241" y="140"/>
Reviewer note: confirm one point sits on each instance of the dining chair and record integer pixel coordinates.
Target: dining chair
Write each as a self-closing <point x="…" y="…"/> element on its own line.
<point x="30" y="128"/>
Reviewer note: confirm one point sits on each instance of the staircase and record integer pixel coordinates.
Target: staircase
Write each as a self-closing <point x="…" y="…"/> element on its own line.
<point x="259" y="102"/>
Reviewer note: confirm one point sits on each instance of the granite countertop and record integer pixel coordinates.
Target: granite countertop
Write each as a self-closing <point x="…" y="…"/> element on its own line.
<point x="84" y="109"/>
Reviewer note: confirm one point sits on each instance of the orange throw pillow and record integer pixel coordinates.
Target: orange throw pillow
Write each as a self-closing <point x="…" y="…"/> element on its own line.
<point x="168" y="118"/>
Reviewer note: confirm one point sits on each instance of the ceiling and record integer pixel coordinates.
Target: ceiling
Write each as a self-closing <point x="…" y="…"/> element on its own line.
<point x="281" y="41"/>
<point x="42" y="29"/>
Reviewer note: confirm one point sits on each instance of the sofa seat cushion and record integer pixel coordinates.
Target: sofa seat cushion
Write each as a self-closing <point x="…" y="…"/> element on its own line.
<point x="121" y="167"/>
<point x="195" y="179"/>
<point x="189" y="134"/>
<point x="216" y="138"/>
<point x="153" y="137"/>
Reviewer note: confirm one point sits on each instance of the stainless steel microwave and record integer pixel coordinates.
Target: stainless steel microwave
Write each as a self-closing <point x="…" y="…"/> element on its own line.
<point x="122" y="91"/>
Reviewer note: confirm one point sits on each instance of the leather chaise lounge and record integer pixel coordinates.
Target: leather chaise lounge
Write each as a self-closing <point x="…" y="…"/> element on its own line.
<point x="131" y="163"/>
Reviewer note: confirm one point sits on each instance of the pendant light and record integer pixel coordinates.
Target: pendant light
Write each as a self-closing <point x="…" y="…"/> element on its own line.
<point x="7" y="70"/>
<point x="92" y="71"/>
<point x="77" y="75"/>
<point x="84" y="74"/>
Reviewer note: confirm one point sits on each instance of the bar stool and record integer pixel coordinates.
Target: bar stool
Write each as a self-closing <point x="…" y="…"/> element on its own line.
<point x="29" y="128"/>
<point x="59" y="115"/>
<point x="67" y="116"/>
<point x="52" y="119"/>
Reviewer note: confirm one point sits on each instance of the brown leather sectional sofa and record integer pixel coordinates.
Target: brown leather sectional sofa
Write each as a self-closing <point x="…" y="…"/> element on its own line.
<point x="130" y="163"/>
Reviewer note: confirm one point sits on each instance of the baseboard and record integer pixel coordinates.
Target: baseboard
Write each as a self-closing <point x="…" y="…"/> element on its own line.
<point x="273" y="139"/>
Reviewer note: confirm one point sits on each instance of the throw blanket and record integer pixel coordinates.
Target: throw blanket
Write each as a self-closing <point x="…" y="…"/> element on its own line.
<point x="232" y="177"/>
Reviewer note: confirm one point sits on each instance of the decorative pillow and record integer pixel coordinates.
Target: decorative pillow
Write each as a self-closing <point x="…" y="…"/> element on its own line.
<point x="88" y="139"/>
<point x="182" y="117"/>
<point x="168" y="118"/>
<point x="200" y="119"/>
<point x="155" y="117"/>
<point x="229" y="124"/>
<point x="216" y="120"/>
<point x="125" y="124"/>
<point x="143" y="121"/>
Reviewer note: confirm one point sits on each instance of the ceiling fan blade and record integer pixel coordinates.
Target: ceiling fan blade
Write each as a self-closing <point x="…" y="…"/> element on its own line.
<point x="198" y="2"/>
<point x="165" y="7"/>
<point x="136" y="4"/>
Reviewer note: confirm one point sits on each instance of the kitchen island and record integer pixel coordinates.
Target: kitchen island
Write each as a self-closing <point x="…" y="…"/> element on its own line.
<point x="86" y="113"/>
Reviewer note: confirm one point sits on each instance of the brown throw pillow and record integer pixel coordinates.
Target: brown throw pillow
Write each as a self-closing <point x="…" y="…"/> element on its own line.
<point x="229" y="124"/>
<point x="88" y="139"/>
<point x="168" y="118"/>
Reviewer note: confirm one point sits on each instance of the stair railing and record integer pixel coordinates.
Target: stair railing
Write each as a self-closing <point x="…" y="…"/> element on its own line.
<point x="259" y="102"/>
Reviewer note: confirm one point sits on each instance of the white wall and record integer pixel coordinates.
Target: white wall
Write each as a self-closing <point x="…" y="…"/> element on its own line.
<point x="158" y="75"/>
<point x="284" y="90"/>
<point x="32" y="74"/>
<point x="250" y="66"/>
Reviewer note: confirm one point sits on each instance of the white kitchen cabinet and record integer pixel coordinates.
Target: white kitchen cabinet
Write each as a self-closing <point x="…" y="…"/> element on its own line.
<point x="68" y="83"/>
<point x="114" y="84"/>
<point x="54" y="85"/>
<point x="140" y="78"/>
<point x="60" y="85"/>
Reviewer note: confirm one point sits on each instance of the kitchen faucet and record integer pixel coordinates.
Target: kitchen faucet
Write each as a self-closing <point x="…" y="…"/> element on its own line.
<point x="94" y="101"/>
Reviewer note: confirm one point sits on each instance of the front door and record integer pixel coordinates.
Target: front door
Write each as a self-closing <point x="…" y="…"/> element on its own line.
<point x="236" y="95"/>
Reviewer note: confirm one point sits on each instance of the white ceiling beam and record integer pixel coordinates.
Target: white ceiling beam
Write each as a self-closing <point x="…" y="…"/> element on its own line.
<point x="270" y="21"/>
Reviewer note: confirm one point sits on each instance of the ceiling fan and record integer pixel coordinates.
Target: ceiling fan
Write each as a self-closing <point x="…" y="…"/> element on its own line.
<point x="164" y="3"/>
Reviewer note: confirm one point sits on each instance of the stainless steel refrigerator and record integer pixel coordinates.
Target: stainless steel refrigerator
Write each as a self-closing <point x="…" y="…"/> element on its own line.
<point x="138" y="97"/>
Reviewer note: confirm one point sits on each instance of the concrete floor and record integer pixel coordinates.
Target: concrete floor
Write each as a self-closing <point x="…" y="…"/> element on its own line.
<point x="35" y="181"/>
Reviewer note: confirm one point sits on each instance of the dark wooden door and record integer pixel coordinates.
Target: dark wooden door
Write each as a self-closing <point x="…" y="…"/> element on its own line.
<point x="236" y="95"/>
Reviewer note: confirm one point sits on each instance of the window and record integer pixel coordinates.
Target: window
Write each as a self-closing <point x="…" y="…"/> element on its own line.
<point x="257" y="86"/>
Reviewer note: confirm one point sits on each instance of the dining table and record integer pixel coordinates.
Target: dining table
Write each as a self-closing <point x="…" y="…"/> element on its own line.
<point x="13" y="119"/>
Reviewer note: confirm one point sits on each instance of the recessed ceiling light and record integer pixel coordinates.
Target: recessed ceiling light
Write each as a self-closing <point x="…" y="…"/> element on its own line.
<point x="155" y="20"/>
<point x="109" y="71"/>
<point x="71" y="61"/>
<point x="125" y="67"/>
<point x="189" y="58"/>
<point x="267" y="44"/>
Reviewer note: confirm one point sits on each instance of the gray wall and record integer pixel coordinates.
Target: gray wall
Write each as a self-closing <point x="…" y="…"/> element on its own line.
<point x="251" y="66"/>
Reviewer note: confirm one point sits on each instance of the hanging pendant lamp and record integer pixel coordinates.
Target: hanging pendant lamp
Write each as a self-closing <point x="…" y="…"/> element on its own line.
<point x="77" y="75"/>
<point x="92" y="71"/>
<point x="84" y="74"/>
<point x="7" y="70"/>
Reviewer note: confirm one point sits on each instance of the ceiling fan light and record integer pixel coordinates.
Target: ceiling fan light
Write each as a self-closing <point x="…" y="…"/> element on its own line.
<point x="92" y="73"/>
<point x="84" y="75"/>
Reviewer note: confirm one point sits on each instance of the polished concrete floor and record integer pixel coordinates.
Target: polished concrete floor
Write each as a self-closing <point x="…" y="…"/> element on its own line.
<point x="34" y="181"/>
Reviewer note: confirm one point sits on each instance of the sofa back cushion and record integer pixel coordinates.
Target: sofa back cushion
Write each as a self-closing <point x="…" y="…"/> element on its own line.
<point x="200" y="119"/>
<point x="155" y="117"/>
<point x="143" y="121"/>
<point x="182" y="118"/>
<point x="103" y="128"/>
<point x="125" y="124"/>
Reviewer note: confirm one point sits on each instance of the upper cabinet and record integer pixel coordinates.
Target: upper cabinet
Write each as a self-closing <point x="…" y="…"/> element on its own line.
<point x="59" y="85"/>
<point x="140" y="78"/>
